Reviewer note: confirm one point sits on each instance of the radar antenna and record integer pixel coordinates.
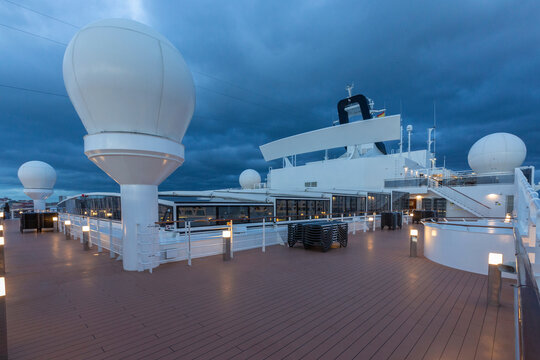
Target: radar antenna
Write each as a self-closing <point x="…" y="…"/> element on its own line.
<point x="349" y="88"/>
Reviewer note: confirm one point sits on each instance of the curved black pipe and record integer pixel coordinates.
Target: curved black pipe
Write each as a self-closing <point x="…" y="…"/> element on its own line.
<point x="362" y="101"/>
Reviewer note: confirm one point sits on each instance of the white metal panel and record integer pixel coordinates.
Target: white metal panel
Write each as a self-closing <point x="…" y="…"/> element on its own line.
<point x="359" y="132"/>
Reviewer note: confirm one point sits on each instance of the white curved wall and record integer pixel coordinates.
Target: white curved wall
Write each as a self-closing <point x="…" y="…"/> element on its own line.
<point x="466" y="248"/>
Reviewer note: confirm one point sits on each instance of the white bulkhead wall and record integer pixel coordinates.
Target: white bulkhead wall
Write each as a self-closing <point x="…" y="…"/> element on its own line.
<point x="494" y="196"/>
<point x="364" y="173"/>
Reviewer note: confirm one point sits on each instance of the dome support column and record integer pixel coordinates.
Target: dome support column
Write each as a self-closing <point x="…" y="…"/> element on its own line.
<point x="139" y="213"/>
<point x="39" y="205"/>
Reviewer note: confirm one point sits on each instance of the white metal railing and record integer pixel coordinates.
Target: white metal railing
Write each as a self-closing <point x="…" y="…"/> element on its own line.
<point x="457" y="197"/>
<point x="159" y="245"/>
<point x="527" y="210"/>
<point x="188" y="243"/>
<point x="104" y="233"/>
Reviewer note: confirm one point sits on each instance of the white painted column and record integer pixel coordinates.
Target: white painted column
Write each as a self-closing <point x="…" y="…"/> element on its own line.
<point x="39" y="205"/>
<point x="139" y="206"/>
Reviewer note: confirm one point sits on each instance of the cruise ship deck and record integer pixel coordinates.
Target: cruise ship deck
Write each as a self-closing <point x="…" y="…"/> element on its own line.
<point x="367" y="301"/>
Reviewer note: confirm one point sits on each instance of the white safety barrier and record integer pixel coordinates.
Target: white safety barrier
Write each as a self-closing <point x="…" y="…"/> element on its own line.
<point x="160" y="245"/>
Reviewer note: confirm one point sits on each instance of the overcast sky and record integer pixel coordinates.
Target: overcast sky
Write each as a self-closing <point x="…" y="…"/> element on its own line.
<point x="269" y="69"/>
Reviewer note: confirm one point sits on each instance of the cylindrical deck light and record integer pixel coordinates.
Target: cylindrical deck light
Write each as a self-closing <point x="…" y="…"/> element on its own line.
<point x="67" y="229"/>
<point x="226" y="235"/>
<point x="2" y="217"/>
<point x="3" y="320"/>
<point x="413" y="242"/>
<point x="494" y="279"/>
<point x="86" y="237"/>
<point x="3" y="324"/>
<point x="55" y="222"/>
<point x="135" y="96"/>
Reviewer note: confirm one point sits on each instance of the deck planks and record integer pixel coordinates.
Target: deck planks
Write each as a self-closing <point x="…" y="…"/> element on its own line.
<point x="368" y="301"/>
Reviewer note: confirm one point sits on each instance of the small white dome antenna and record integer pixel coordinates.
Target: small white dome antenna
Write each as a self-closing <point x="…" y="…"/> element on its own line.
<point x="38" y="179"/>
<point x="409" y="131"/>
<point x="249" y="179"/>
<point x="349" y="88"/>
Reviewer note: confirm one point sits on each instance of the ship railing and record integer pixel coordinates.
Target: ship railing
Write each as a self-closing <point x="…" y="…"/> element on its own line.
<point x="190" y="241"/>
<point x="104" y="233"/>
<point x="527" y="246"/>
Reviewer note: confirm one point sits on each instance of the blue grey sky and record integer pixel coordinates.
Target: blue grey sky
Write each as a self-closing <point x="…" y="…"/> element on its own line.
<point x="269" y="69"/>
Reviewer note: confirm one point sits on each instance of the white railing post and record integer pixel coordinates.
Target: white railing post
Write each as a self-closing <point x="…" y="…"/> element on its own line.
<point x="374" y="220"/>
<point x="89" y="232"/>
<point x="232" y="240"/>
<point x="99" y="248"/>
<point x="365" y="222"/>
<point x="111" y="246"/>
<point x="188" y="229"/>
<point x="264" y="235"/>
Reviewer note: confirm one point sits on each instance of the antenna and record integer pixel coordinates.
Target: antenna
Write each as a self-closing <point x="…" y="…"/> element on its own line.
<point x="409" y="131"/>
<point x="349" y="88"/>
<point x="434" y="127"/>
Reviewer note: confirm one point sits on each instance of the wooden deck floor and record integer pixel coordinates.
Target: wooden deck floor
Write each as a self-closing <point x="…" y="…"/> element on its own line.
<point x="368" y="301"/>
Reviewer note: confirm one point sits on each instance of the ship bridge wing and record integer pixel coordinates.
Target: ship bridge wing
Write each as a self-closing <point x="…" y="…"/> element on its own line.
<point x="356" y="133"/>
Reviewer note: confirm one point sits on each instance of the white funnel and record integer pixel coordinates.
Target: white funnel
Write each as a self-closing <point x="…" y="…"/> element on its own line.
<point x="38" y="179"/>
<point x="135" y="96"/>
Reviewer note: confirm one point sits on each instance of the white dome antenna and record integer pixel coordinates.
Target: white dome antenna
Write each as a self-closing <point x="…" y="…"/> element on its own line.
<point x="135" y="96"/>
<point x="249" y="179"/>
<point x="498" y="152"/>
<point x="38" y="179"/>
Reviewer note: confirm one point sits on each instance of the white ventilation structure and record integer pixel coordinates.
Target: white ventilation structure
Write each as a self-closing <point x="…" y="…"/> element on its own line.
<point x="135" y="96"/>
<point x="38" y="179"/>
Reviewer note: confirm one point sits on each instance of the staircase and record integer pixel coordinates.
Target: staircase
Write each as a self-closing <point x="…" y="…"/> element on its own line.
<point x="465" y="202"/>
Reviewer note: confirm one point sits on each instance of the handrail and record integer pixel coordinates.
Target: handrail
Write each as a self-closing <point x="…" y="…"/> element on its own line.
<point x="467" y="196"/>
<point x="272" y="218"/>
<point x="436" y="221"/>
<point x="528" y="304"/>
<point x="459" y="192"/>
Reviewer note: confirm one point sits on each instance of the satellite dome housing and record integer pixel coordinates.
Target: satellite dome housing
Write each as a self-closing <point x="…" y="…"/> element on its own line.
<point x="135" y="96"/>
<point x="38" y="179"/>
<point x="498" y="152"/>
<point x="249" y="179"/>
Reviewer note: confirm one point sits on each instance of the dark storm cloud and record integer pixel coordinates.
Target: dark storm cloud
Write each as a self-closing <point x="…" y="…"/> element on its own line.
<point x="265" y="70"/>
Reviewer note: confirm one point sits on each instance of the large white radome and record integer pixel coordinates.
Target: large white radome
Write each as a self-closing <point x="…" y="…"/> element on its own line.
<point x="123" y="76"/>
<point x="37" y="175"/>
<point x="498" y="152"/>
<point x="249" y="179"/>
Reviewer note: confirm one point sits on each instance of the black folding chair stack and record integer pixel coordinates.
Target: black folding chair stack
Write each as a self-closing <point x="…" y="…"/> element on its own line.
<point x="295" y="233"/>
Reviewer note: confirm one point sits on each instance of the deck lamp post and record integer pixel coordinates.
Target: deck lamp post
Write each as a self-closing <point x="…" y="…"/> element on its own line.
<point x="494" y="278"/>
<point x="85" y="237"/>
<point x="371" y="219"/>
<point x="413" y="242"/>
<point x="2" y="258"/>
<point x="2" y="216"/>
<point x="55" y="221"/>
<point x="3" y="324"/>
<point x="67" y="229"/>
<point x="226" y="235"/>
